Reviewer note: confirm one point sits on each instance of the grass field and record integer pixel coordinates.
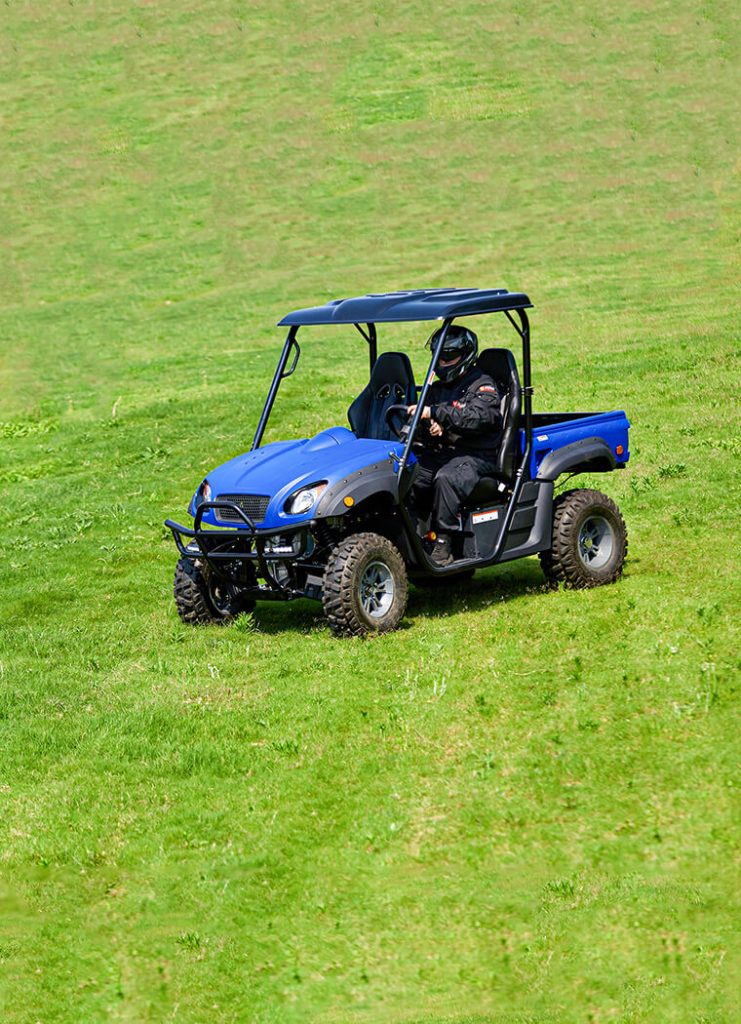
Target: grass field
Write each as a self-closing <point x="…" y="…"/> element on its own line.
<point x="522" y="806"/>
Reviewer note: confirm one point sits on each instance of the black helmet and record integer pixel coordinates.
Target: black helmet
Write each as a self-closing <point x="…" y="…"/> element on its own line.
<point x="460" y="344"/>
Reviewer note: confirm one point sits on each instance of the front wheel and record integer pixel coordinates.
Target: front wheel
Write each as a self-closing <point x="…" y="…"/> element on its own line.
<point x="365" y="586"/>
<point x="202" y="598"/>
<point x="589" y="540"/>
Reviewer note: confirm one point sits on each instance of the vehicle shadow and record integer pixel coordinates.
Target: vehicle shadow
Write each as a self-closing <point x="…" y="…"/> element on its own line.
<point x="496" y="584"/>
<point x="299" y="616"/>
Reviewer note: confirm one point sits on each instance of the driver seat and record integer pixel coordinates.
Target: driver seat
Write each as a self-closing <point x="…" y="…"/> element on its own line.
<point x="500" y="365"/>
<point x="391" y="383"/>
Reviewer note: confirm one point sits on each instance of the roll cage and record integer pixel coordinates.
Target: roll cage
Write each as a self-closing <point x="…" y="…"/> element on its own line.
<point x="364" y="314"/>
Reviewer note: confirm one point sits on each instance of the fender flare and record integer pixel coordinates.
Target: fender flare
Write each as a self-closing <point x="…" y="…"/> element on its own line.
<point x="590" y="455"/>
<point x="378" y="478"/>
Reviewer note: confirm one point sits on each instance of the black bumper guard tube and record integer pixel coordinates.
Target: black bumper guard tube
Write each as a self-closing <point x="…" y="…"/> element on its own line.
<point x="210" y="541"/>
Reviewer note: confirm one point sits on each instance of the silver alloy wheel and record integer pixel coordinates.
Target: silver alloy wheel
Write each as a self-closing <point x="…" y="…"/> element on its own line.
<point x="596" y="542"/>
<point x="377" y="589"/>
<point x="221" y="594"/>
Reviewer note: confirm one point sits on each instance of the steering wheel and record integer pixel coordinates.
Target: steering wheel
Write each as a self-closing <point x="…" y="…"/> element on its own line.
<point x="400" y="428"/>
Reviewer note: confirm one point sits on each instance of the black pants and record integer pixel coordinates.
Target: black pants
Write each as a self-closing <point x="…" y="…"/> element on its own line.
<point x="444" y="480"/>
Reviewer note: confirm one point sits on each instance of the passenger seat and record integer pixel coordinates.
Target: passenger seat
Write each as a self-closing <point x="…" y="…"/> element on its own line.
<point x="391" y="383"/>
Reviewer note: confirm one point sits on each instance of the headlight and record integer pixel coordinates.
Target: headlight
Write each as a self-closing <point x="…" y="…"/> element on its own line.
<point x="303" y="500"/>
<point x="202" y="494"/>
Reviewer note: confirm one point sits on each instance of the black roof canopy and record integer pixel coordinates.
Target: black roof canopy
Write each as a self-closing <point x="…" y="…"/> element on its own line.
<point x="418" y="304"/>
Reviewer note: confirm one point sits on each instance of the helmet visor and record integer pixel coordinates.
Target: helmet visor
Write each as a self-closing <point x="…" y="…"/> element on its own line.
<point x="453" y="348"/>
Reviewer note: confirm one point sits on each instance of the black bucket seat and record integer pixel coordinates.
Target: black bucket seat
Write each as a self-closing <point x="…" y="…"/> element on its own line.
<point x="391" y="383"/>
<point x="500" y="365"/>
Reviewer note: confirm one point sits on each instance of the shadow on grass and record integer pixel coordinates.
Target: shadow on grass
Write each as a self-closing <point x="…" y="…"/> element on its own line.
<point x="299" y="616"/>
<point x="488" y="587"/>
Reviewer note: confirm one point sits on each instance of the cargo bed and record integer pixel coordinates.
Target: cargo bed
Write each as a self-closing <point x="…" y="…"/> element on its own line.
<point x="555" y="430"/>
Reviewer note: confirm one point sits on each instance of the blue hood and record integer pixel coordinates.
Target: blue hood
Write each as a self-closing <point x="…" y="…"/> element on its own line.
<point x="277" y="470"/>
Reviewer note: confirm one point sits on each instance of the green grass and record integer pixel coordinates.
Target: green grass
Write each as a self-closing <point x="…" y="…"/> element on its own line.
<point x="523" y="805"/>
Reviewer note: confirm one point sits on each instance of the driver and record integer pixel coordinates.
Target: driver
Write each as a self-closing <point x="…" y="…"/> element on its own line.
<point x="462" y="440"/>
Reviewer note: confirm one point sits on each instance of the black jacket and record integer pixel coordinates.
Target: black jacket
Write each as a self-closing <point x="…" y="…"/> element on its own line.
<point x="468" y="411"/>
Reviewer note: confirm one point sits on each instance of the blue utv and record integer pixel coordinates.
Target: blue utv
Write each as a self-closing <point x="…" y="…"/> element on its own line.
<point x="328" y="517"/>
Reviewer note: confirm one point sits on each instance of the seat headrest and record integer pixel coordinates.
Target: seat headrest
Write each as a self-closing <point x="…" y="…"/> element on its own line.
<point x="499" y="364"/>
<point x="391" y="368"/>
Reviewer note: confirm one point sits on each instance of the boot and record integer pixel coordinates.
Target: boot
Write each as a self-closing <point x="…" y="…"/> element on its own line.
<point x="441" y="553"/>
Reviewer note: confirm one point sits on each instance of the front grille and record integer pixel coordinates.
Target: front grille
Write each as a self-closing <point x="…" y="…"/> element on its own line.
<point x="253" y="505"/>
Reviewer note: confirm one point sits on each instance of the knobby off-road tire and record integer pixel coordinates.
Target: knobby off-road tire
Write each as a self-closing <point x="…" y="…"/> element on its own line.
<point x="365" y="586"/>
<point x="201" y="598"/>
<point x="589" y="541"/>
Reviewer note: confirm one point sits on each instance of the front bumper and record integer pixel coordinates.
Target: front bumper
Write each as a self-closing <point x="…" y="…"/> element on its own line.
<point x="223" y="549"/>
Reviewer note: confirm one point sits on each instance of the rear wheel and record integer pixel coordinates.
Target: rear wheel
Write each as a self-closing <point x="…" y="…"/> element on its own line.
<point x="589" y="540"/>
<point x="365" y="586"/>
<point x="202" y="598"/>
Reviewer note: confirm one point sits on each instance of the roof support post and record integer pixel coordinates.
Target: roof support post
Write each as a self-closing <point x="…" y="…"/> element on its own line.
<point x="527" y="387"/>
<point x="526" y="379"/>
<point x="279" y="375"/>
<point x="423" y="394"/>
<point x="372" y="340"/>
<point x="372" y="345"/>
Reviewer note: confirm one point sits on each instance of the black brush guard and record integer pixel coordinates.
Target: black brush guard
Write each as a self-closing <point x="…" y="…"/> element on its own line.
<point x="217" y="547"/>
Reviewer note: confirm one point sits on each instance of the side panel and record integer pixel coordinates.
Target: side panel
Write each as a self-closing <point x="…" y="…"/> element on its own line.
<point x="608" y="427"/>
<point x="532" y="522"/>
<point x="529" y="532"/>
